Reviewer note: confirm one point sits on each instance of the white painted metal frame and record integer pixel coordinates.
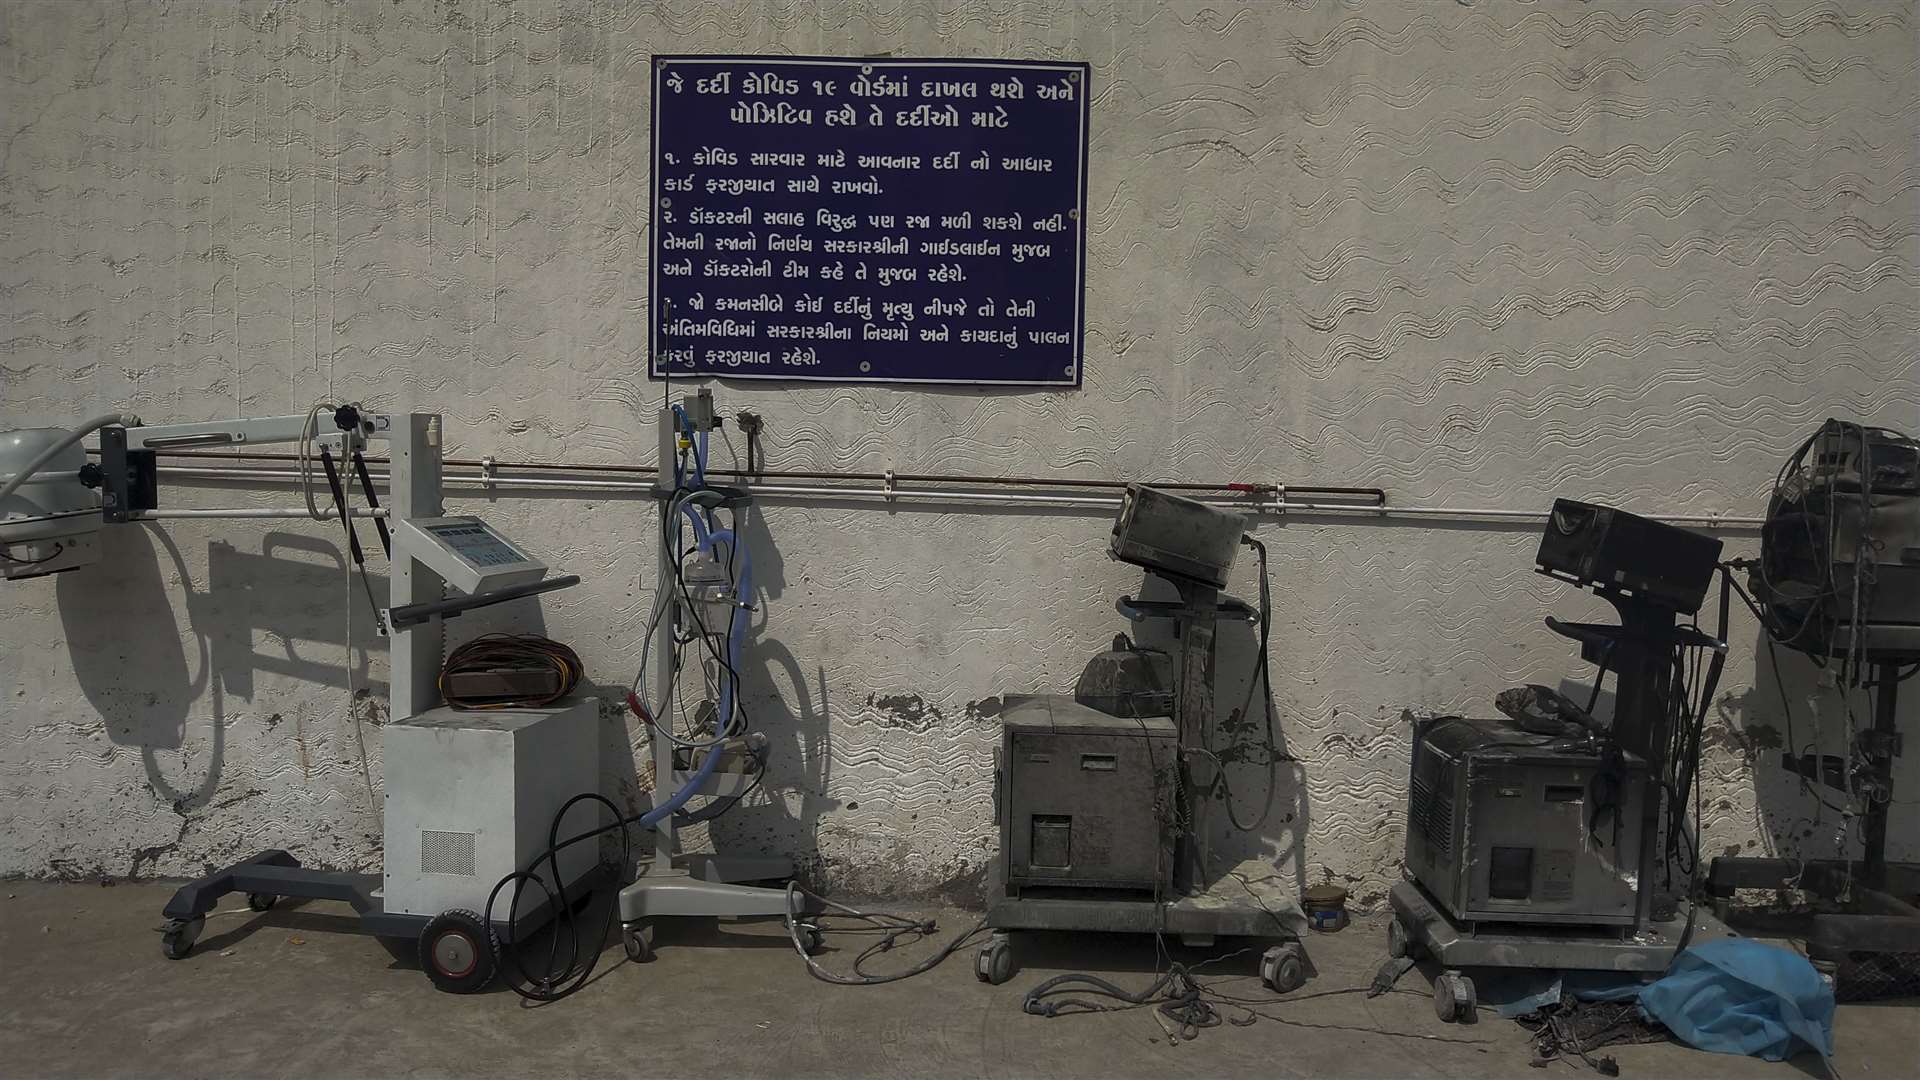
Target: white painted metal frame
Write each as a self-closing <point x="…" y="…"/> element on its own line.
<point x="699" y="884"/>
<point x="415" y="492"/>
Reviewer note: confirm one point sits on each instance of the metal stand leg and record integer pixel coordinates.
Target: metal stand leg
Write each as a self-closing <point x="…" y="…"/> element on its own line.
<point x="1880" y="743"/>
<point x="674" y="891"/>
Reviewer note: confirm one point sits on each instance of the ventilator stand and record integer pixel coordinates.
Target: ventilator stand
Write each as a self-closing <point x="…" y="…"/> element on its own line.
<point x="1639" y="650"/>
<point x="1201" y="906"/>
<point x="672" y="884"/>
<point x="1878" y="925"/>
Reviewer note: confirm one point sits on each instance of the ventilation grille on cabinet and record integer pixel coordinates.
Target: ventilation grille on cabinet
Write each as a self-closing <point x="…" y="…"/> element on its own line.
<point x="446" y="852"/>
<point x="1433" y="815"/>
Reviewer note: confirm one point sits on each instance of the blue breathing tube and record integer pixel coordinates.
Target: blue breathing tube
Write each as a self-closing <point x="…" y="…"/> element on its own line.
<point x="705" y="540"/>
<point x="736" y="642"/>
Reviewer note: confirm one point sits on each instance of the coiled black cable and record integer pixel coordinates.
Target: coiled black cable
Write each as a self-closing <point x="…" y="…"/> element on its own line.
<point x="554" y="984"/>
<point x="1178" y="997"/>
<point x="893" y="929"/>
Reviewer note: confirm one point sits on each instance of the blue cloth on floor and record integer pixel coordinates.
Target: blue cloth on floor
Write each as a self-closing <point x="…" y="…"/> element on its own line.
<point x="1738" y="996"/>
<point x="1604" y="985"/>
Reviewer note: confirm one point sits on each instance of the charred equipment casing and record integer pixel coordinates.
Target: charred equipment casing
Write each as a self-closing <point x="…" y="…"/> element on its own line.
<point x="1508" y="827"/>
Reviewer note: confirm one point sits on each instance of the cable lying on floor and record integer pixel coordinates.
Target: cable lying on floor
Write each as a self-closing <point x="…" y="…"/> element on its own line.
<point x="1179" y="996"/>
<point x="893" y="929"/>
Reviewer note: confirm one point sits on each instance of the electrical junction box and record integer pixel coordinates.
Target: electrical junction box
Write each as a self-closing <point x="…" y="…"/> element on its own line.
<point x="1507" y="826"/>
<point x="1086" y="798"/>
<point x="471" y="796"/>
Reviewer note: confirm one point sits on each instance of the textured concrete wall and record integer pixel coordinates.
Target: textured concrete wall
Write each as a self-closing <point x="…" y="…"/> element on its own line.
<point x="1478" y="254"/>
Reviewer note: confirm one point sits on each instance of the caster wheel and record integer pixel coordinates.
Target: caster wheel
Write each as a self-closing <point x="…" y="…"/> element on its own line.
<point x="459" y="952"/>
<point x="1453" y="998"/>
<point x="637" y="939"/>
<point x="1401" y="942"/>
<point x="260" y="901"/>
<point x="177" y="939"/>
<point x="994" y="962"/>
<point x="1284" y="968"/>
<point x="811" y="939"/>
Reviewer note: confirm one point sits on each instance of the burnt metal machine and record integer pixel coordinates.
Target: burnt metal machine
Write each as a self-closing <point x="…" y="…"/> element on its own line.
<point x="1838" y="579"/>
<point x="1539" y="840"/>
<point x="1102" y="796"/>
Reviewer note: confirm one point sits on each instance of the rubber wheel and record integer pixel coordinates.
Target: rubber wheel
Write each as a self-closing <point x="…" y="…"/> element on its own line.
<point x="459" y="952"/>
<point x="1398" y="944"/>
<point x="637" y="939"/>
<point x="1443" y="1003"/>
<point x="812" y="939"/>
<point x="177" y="939"/>
<point x="1284" y="968"/>
<point x="994" y="963"/>
<point x="1453" y="998"/>
<point x="260" y="901"/>
<point x="1464" y="999"/>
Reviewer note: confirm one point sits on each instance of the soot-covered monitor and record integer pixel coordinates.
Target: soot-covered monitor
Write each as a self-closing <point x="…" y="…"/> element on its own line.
<point x="1614" y="551"/>
<point x="1174" y="535"/>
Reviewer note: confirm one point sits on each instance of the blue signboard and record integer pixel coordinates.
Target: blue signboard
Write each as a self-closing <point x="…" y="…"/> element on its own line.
<point x="871" y="220"/>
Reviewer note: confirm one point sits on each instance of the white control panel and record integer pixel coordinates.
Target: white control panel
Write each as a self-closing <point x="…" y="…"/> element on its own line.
<point x="467" y="553"/>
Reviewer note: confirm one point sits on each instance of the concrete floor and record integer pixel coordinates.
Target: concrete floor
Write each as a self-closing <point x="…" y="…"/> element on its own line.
<point x="291" y="993"/>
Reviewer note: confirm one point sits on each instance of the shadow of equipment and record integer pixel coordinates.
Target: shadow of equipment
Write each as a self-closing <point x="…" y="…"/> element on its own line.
<point x="123" y="622"/>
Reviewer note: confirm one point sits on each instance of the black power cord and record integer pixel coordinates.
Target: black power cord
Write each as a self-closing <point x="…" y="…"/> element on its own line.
<point x="57" y="549"/>
<point x="1264" y="682"/>
<point x="893" y="929"/>
<point x="557" y="982"/>
<point x="1176" y="994"/>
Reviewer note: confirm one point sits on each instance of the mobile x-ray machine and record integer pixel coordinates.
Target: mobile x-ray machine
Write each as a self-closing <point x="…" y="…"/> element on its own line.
<point x="470" y="796"/>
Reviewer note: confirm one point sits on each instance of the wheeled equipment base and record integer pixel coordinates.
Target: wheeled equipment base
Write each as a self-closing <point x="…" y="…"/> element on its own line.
<point x="1230" y="908"/>
<point x="1870" y="928"/>
<point x="707" y="886"/>
<point x="1421" y="929"/>
<point x="457" y="949"/>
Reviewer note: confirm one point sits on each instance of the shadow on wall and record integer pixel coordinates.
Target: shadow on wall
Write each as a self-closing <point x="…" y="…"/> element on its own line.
<point x="1800" y="812"/>
<point x="789" y="705"/>
<point x="127" y="650"/>
<point x="1266" y="785"/>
